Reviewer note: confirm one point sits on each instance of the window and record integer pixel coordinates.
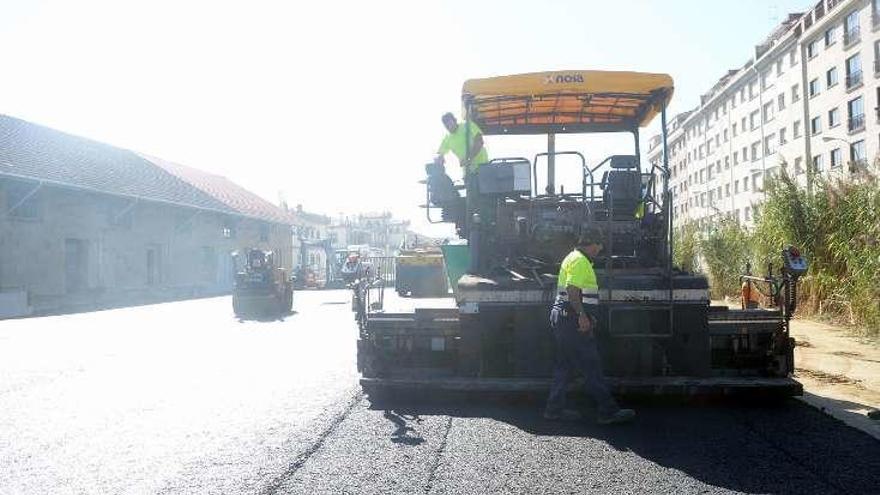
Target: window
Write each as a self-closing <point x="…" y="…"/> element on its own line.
<point x="733" y="101"/>
<point x="780" y="101"/>
<point x="792" y="57"/>
<point x="853" y="71"/>
<point x="768" y="111"/>
<point x="816" y="125"/>
<point x="264" y="233"/>
<point x="796" y="129"/>
<point x="770" y="144"/>
<point x="795" y="93"/>
<point x="726" y="162"/>
<point x="831" y="77"/>
<point x="812" y="49"/>
<point x="814" y="87"/>
<point x="877" y="51"/>
<point x="765" y="80"/>
<point x="228" y="231"/>
<point x="782" y="139"/>
<point x="725" y="135"/>
<point x="798" y="165"/>
<point x="753" y="119"/>
<point x="22" y="199"/>
<point x="857" y="152"/>
<point x="830" y="37"/>
<point x="856" y="108"/>
<point x="736" y="186"/>
<point x="734" y="129"/>
<point x="735" y="157"/>
<point x="726" y="190"/>
<point x="836" y="158"/>
<point x="833" y="118"/>
<point x="745" y="183"/>
<point x="755" y="150"/>
<point x="743" y="124"/>
<point x="817" y="163"/>
<point x="745" y="153"/>
<point x="753" y="90"/>
<point x="851" y="30"/>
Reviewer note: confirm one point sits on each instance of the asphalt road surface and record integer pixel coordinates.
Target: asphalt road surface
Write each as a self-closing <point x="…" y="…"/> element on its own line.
<point x="184" y="398"/>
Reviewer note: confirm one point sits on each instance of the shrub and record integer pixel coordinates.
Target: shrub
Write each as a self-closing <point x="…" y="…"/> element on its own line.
<point x="725" y="248"/>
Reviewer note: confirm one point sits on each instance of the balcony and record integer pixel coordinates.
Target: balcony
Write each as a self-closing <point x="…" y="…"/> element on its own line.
<point x="851" y="36"/>
<point x="856" y="123"/>
<point x="853" y="79"/>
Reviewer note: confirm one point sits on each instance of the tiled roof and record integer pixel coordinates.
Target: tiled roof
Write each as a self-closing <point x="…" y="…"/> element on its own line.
<point x="32" y="151"/>
<point x="229" y="193"/>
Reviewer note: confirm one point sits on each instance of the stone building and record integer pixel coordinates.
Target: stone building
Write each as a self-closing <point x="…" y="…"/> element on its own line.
<point x="806" y="100"/>
<point x="87" y="225"/>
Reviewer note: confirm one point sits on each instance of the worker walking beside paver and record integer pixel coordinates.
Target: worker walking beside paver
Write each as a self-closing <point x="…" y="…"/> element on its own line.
<point x="574" y="326"/>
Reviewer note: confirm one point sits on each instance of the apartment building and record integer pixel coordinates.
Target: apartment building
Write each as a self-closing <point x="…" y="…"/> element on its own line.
<point x="800" y="102"/>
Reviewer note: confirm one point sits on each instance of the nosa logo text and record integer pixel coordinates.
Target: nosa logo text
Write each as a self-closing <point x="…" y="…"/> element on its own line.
<point x="564" y="78"/>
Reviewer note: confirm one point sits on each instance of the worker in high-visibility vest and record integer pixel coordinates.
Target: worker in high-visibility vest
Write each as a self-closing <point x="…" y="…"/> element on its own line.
<point x="574" y="325"/>
<point x="466" y="142"/>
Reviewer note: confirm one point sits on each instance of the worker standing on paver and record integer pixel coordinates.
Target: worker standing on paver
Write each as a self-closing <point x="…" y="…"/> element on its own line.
<point x="467" y="136"/>
<point x="574" y="324"/>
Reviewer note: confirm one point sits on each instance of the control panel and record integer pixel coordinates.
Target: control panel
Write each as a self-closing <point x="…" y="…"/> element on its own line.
<point x="794" y="262"/>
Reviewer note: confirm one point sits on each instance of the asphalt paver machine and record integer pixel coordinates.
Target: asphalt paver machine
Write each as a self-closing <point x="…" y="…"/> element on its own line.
<point x="658" y="332"/>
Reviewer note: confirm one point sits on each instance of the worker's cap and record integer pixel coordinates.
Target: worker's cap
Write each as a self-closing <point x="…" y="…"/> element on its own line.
<point x="589" y="236"/>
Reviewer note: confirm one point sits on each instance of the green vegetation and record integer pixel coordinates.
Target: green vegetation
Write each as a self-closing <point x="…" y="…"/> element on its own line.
<point x="837" y="228"/>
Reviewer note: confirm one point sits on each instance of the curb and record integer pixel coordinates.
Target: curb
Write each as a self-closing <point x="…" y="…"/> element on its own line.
<point x="852" y="419"/>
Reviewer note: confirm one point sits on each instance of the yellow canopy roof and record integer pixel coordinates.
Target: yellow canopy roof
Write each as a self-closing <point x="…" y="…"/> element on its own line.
<point x="566" y="101"/>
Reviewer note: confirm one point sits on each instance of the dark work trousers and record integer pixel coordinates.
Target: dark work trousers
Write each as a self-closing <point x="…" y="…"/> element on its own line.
<point x="576" y="351"/>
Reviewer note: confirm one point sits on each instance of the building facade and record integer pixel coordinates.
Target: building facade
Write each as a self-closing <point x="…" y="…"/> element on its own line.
<point x="85" y="225"/>
<point x="378" y="230"/>
<point x="312" y="244"/>
<point x="807" y="101"/>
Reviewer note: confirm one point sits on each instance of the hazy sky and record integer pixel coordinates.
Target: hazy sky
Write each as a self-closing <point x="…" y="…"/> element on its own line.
<point x="336" y="104"/>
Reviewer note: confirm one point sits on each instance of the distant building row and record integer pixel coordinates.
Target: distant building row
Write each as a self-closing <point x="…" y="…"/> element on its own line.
<point x="807" y="100"/>
<point x="85" y="225"/>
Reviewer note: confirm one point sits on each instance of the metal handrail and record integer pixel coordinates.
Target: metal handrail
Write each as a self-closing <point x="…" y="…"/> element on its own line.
<point x="852" y="35"/>
<point x="856" y="123"/>
<point x="584" y="169"/>
<point x="853" y="79"/>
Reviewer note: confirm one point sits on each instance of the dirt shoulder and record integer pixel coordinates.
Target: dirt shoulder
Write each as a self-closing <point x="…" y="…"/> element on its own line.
<point x="839" y="370"/>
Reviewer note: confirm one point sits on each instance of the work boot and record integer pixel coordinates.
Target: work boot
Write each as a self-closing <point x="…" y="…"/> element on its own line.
<point x="563" y="415"/>
<point x="617" y="417"/>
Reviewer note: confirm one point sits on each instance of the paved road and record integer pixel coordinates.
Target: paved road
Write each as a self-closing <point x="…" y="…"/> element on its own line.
<point x="183" y="398"/>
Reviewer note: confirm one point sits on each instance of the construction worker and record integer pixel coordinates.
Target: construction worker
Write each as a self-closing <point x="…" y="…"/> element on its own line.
<point x="462" y="137"/>
<point x="573" y="322"/>
<point x="465" y="140"/>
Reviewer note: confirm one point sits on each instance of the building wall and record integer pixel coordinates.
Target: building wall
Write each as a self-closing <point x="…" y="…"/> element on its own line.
<point x="190" y="249"/>
<point x="759" y="118"/>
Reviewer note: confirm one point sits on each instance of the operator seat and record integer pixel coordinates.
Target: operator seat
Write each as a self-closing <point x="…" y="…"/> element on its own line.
<point x="622" y="186"/>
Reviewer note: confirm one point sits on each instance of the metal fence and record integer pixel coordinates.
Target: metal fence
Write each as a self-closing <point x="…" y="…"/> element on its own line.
<point x="385" y="266"/>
